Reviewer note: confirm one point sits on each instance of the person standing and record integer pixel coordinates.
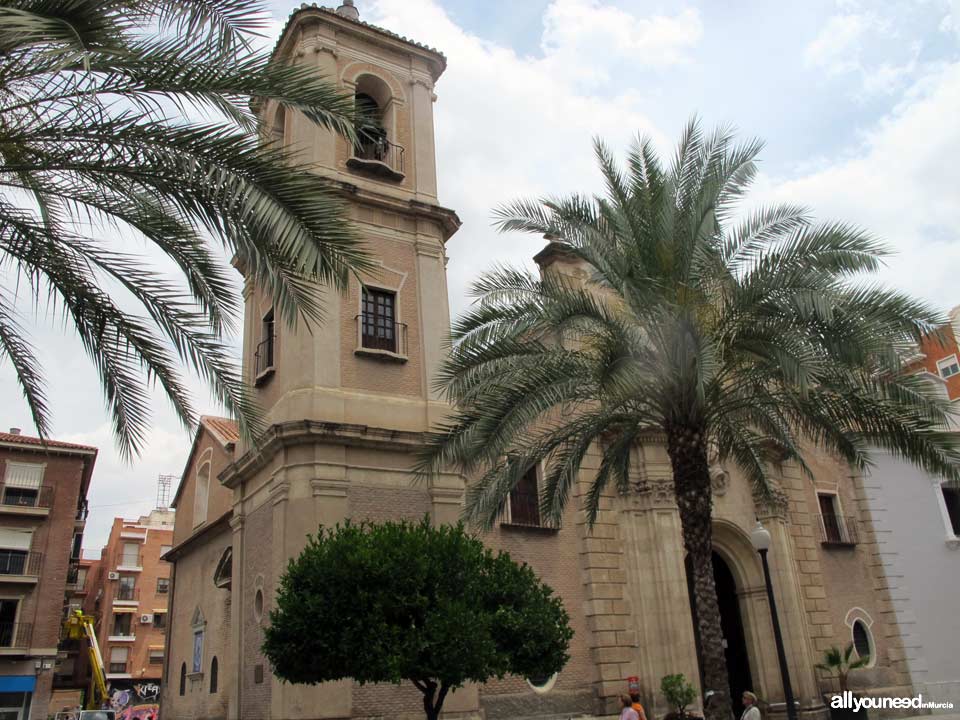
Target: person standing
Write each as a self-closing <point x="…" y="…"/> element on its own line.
<point x="750" y="709"/>
<point x="626" y="709"/>
<point x="635" y="704"/>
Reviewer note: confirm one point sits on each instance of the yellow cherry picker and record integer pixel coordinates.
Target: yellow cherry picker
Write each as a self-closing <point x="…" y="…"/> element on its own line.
<point x="77" y="627"/>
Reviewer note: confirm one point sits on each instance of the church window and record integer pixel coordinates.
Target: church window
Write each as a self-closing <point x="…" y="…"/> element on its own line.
<point x="265" y="352"/>
<point x="379" y="328"/>
<point x="863" y="641"/>
<point x="201" y="494"/>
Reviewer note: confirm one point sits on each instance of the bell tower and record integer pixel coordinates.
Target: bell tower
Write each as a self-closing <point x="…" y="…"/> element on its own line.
<point x="347" y="401"/>
<point x="371" y="361"/>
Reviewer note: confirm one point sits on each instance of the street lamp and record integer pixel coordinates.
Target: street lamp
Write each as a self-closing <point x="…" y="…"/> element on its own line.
<point x="760" y="537"/>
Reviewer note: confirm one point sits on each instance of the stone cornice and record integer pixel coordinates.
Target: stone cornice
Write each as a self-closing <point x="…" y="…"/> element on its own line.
<point x="303" y="432"/>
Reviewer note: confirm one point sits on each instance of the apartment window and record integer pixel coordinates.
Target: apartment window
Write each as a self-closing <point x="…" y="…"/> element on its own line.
<point x="13" y="562"/>
<point x="163" y="586"/>
<point x="378" y="321"/>
<point x="264" y="353"/>
<point x="155" y="657"/>
<point x="21" y="483"/>
<point x="948" y="367"/>
<point x="126" y="589"/>
<point x="525" y="500"/>
<point x="164" y="549"/>
<point x="951" y="499"/>
<point x="130" y="555"/>
<point x="118" y="659"/>
<point x="77" y="547"/>
<point x="122" y="625"/>
<point x="201" y="494"/>
<point x="160" y="620"/>
<point x="8" y="622"/>
<point x="82" y="576"/>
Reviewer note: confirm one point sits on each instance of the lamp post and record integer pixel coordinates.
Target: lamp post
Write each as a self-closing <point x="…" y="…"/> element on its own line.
<point x="760" y="537"/>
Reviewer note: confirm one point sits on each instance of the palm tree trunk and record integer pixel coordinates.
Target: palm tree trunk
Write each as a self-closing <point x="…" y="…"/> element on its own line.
<point x="691" y="477"/>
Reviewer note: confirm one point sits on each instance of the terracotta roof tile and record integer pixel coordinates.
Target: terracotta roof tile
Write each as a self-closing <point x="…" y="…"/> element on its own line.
<point x="224" y="428"/>
<point x="27" y="440"/>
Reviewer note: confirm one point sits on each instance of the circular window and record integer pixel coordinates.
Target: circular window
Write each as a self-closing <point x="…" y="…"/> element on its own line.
<point x="542" y="685"/>
<point x="863" y="642"/>
<point x="258" y="604"/>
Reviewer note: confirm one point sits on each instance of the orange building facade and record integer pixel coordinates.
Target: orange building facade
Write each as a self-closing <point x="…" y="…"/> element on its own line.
<point x="127" y="591"/>
<point x="939" y="355"/>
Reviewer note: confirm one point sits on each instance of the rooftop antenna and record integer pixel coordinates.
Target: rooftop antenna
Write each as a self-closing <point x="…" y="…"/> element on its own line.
<point x="164" y="483"/>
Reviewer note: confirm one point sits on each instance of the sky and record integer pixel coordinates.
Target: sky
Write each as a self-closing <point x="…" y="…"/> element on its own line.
<point x="858" y="104"/>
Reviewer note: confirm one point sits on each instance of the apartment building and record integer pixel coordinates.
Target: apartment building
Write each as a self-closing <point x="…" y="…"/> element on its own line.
<point x="43" y="490"/>
<point x="130" y="591"/>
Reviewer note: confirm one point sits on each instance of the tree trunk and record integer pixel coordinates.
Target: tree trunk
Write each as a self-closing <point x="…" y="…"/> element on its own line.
<point x="691" y="476"/>
<point x="431" y="707"/>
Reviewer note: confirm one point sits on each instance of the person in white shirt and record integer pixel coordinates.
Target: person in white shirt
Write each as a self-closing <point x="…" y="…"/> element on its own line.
<point x="750" y="711"/>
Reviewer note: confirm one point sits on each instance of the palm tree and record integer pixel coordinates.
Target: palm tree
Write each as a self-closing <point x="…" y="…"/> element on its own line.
<point x="132" y="122"/>
<point x="752" y="337"/>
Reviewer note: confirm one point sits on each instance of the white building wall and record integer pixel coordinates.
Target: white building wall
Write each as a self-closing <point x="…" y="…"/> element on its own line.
<point x="921" y="557"/>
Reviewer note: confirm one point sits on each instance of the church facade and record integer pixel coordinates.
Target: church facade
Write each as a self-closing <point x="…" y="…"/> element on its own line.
<point x="348" y="405"/>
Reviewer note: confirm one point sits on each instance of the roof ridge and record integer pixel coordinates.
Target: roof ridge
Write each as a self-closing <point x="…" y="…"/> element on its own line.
<point x="375" y="28"/>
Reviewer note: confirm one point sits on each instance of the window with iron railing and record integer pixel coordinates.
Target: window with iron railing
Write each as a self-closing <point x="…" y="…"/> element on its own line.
<point x="122" y="625"/>
<point x="163" y="586"/>
<point x="126" y="589"/>
<point x="19" y="562"/>
<point x="378" y="326"/>
<point x="264" y="354"/>
<point x="15" y="635"/>
<point x="835" y="528"/>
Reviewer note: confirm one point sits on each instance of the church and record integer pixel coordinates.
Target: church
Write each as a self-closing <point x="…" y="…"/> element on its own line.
<point x="347" y="407"/>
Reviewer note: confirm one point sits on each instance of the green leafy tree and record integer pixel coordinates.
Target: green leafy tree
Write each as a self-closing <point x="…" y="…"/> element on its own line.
<point x="752" y="336"/>
<point x="841" y="663"/>
<point x="678" y="692"/>
<point x="132" y="119"/>
<point x="402" y="601"/>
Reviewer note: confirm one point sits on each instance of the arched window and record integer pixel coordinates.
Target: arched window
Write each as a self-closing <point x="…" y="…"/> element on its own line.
<point x="376" y="125"/>
<point x="202" y="493"/>
<point x="213" y="674"/>
<point x="278" y="128"/>
<point x="183" y="678"/>
<point x="863" y="641"/>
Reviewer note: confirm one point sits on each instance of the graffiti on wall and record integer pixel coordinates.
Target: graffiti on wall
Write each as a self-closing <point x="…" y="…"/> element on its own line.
<point x="136" y="702"/>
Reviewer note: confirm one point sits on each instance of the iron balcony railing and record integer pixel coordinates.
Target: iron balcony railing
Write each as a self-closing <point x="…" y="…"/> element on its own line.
<point x="380" y="150"/>
<point x="263" y="356"/>
<point x="15" y="635"/>
<point x="83" y="511"/>
<point x="127" y="593"/>
<point x="73" y="573"/>
<point x="379" y="334"/>
<point x="20" y="562"/>
<point x="35" y="497"/>
<point x="839" y="530"/>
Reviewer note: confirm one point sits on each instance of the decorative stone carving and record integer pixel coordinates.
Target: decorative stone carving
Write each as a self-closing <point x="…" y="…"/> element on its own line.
<point x="719" y="477"/>
<point x="771" y="503"/>
<point x="653" y="493"/>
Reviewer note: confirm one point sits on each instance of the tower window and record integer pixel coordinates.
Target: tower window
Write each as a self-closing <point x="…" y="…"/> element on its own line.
<point x="372" y="143"/>
<point x="265" y="348"/>
<point x="378" y="320"/>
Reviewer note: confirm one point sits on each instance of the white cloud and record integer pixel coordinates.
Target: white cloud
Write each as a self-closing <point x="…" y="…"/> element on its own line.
<point x="901" y="184"/>
<point x="578" y="33"/>
<point x="837" y="47"/>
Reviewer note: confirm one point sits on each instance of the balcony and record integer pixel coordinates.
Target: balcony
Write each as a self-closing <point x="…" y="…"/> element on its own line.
<point x="129" y="563"/>
<point x="20" y="566"/>
<point x="15" y="638"/>
<point x="131" y="534"/>
<point x="82" y="512"/>
<point x="381" y="339"/>
<point x="122" y="635"/>
<point x="379" y="157"/>
<point x="839" y="531"/>
<point x="263" y="360"/>
<point x="73" y="577"/>
<point x="126" y="596"/>
<point x="16" y="500"/>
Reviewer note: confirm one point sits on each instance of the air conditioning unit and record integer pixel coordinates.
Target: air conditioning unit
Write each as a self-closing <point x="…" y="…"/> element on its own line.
<point x="146" y="619"/>
<point x="113" y="576"/>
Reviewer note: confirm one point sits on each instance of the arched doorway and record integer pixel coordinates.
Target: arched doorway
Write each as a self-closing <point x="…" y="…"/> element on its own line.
<point x="731" y="622"/>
